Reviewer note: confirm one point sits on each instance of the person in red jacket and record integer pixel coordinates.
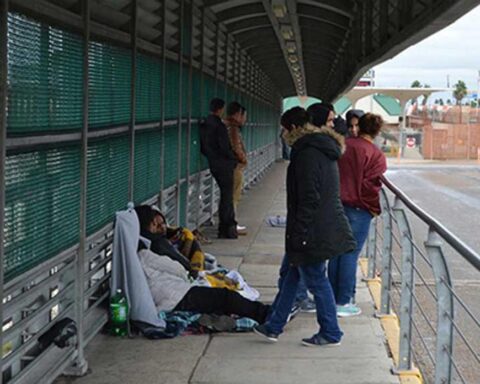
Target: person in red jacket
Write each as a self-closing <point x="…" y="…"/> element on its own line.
<point x="361" y="168"/>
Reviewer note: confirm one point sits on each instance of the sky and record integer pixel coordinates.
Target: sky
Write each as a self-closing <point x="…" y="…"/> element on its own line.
<point x="453" y="51"/>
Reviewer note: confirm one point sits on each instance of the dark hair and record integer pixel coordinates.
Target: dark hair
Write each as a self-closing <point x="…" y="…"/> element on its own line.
<point x="146" y="214"/>
<point x="216" y="104"/>
<point x="358" y="113"/>
<point x="296" y="116"/>
<point x="329" y="106"/>
<point x="318" y="114"/>
<point x="340" y="125"/>
<point x="370" y="124"/>
<point x="235" y="107"/>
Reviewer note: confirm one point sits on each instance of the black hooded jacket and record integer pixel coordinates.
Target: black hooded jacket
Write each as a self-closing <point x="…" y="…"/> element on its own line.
<point x="317" y="228"/>
<point x="215" y="143"/>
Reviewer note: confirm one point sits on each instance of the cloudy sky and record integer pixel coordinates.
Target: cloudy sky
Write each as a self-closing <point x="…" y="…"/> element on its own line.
<point x="453" y="51"/>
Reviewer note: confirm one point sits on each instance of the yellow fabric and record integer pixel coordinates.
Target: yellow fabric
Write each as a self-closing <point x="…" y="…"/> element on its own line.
<point x="219" y="280"/>
<point x="190" y="248"/>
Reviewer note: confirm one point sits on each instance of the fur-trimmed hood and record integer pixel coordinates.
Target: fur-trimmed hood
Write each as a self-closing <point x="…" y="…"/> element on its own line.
<point x="333" y="147"/>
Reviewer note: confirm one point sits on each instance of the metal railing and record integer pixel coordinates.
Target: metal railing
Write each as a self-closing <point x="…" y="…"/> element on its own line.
<point x="437" y="314"/>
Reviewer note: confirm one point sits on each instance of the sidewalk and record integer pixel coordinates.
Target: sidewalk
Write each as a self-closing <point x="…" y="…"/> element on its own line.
<point x="242" y="358"/>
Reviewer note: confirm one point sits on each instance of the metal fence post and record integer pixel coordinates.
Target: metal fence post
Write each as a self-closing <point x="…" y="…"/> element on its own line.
<point x="3" y="146"/>
<point x="162" y="103"/>
<point x="180" y="112"/>
<point x="386" y="276"/>
<point x="407" y="291"/>
<point x="80" y="365"/>
<point x="372" y="249"/>
<point x="443" y="361"/>
<point x="133" y="42"/>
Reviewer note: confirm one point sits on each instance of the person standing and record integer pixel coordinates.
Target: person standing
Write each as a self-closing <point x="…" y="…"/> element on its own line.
<point x="215" y="146"/>
<point x="317" y="228"/>
<point x="236" y="118"/>
<point x="361" y="169"/>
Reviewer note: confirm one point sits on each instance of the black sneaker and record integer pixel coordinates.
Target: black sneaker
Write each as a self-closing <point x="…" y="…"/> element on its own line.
<point x="230" y="233"/>
<point x="294" y="312"/>
<point x="261" y="330"/>
<point x="318" y="341"/>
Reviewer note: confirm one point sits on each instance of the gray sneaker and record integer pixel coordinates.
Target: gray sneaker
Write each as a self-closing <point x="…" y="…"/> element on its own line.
<point x="318" y="341"/>
<point x="308" y="306"/>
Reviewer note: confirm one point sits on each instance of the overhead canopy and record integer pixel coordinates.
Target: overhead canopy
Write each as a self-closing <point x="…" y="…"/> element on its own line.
<point x="314" y="47"/>
<point x="401" y="94"/>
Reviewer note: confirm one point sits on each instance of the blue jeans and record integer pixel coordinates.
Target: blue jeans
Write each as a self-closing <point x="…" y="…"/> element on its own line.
<point x="342" y="270"/>
<point x="317" y="283"/>
<point x="302" y="288"/>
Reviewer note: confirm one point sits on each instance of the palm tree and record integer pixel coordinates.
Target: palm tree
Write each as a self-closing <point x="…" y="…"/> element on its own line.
<point x="459" y="93"/>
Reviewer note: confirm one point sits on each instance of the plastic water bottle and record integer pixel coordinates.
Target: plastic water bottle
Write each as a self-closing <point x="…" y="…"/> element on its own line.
<point x="118" y="314"/>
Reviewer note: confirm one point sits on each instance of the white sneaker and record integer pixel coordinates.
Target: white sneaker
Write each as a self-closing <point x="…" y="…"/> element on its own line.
<point x="241" y="228"/>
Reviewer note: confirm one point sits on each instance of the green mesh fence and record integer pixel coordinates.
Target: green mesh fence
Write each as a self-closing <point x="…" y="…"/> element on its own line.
<point x="44" y="77"/>
<point x="42" y="206"/>
<point x="107" y="191"/>
<point x="148" y="150"/>
<point x="109" y="85"/>
<point x="148" y="89"/>
<point x="45" y="80"/>
<point x="171" y="152"/>
<point x="196" y="101"/>
<point x="171" y="89"/>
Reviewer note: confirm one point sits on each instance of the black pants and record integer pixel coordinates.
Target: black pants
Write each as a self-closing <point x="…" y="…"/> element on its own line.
<point x="222" y="301"/>
<point x="226" y="212"/>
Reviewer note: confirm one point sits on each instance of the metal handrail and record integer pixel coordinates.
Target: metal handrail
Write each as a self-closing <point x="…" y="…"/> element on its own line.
<point x="445" y="329"/>
<point x="468" y="253"/>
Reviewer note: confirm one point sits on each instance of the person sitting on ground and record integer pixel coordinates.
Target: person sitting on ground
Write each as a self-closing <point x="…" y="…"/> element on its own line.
<point x="154" y="228"/>
<point x="171" y="287"/>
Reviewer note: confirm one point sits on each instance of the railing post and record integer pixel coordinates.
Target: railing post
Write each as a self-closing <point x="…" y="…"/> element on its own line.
<point x="407" y="291"/>
<point x="372" y="249"/>
<point x="443" y="361"/>
<point x="386" y="276"/>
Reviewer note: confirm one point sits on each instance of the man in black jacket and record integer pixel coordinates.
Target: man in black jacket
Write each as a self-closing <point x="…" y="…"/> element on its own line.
<point x="215" y="146"/>
<point x="317" y="228"/>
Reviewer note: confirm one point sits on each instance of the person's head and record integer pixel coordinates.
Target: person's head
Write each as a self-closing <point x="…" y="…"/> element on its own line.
<point x="353" y="117"/>
<point x="329" y="106"/>
<point x="151" y="220"/>
<point x="370" y="125"/>
<point x="237" y="112"/>
<point x="293" y="118"/>
<point x="340" y="125"/>
<point x="217" y="106"/>
<point x="320" y="115"/>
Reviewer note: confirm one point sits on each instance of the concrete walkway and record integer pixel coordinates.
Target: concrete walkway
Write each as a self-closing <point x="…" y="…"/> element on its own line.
<point x="243" y="358"/>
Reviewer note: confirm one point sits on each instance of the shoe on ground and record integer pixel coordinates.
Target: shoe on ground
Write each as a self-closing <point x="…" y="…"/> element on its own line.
<point x="241" y="230"/>
<point x="231" y="233"/>
<point x="318" y="341"/>
<point x="308" y="306"/>
<point x="348" y="310"/>
<point x="262" y="331"/>
<point x="293" y="312"/>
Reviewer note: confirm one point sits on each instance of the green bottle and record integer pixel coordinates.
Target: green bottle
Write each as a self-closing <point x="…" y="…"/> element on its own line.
<point x="119" y="314"/>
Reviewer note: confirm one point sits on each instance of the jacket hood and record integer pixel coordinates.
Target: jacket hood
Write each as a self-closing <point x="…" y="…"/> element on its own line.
<point x="324" y="139"/>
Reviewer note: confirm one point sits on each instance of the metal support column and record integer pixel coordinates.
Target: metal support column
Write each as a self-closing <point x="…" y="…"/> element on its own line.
<point x="180" y="112"/>
<point x="3" y="147"/>
<point x="445" y="310"/>
<point x="386" y="276"/>
<point x="189" y="108"/>
<point x="407" y="290"/>
<point x="80" y="365"/>
<point x="162" y="103"/>
<point x="133" y="37"/>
